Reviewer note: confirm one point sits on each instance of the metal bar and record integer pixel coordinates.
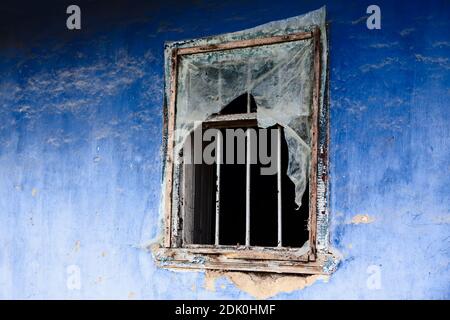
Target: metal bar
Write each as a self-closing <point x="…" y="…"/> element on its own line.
<point x="247" y="180"/>
<point x="245" y="43"/>
<point x="280" y="232"/>
<point x="218" y="163"/>
<point x="247" y="191"/>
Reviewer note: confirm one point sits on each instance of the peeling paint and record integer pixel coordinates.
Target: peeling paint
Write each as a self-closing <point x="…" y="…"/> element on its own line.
<point x="77" y="246"/>
<point x="210" y="280"/>
<point x="375" y="66"/>
<point x="262" y="286"/>
<point x="34" y="192"/>
<point x="442" y="219"/>
<point x="406" y="31"/>
<point x="330" y="265"/>
<point x="199" y="260"/>
<point x="362" y="219"/>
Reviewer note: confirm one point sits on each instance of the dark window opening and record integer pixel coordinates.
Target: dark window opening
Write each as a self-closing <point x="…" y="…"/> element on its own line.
<point x="239" y="105"/>
<point x="263" y="200"/>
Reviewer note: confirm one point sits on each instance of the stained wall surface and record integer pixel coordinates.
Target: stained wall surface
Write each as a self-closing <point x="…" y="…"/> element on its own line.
<point x="81" y="137"/>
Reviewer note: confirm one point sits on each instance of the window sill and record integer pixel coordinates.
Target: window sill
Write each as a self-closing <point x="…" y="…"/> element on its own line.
<point x="231" y="258"/>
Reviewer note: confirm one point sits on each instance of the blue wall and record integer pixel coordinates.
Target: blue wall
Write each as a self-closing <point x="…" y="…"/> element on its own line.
<point x="81" y="129"/>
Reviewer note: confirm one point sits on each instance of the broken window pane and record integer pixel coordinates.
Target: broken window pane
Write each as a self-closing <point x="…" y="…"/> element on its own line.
<point x="278" y="76"/>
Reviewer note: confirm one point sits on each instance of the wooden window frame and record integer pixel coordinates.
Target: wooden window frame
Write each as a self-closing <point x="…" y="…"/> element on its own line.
<point x="242" y="258"/>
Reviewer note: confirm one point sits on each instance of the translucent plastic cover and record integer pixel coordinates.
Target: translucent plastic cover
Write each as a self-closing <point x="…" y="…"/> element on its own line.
<point x="278" y="76"/>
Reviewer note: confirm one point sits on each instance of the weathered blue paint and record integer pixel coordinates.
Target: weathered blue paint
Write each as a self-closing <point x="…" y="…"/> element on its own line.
<point x="80" y="139"/>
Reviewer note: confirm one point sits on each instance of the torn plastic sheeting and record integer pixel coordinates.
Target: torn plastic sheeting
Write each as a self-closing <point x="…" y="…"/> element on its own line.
<point x="279" y="76"/>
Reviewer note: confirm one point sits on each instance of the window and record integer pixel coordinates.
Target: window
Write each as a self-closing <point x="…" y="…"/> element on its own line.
<point x="240" y="101"/>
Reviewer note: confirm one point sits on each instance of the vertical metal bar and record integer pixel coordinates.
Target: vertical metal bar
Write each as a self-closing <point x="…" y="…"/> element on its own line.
<point x="247" y="187"/>
<point x="280" y="232"/>
<point x="218" y="163"/>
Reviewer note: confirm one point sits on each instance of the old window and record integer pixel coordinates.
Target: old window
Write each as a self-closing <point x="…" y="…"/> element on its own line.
<point x="265" y="87"/>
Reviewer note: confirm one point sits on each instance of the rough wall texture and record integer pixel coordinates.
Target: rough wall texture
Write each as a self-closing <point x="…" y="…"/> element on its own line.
<point x="80" y="138"/>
